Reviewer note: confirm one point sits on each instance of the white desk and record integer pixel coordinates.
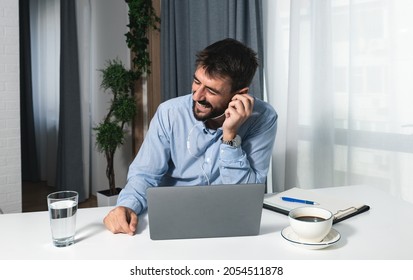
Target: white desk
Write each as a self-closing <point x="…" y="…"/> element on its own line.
<point x="384" y="232"/>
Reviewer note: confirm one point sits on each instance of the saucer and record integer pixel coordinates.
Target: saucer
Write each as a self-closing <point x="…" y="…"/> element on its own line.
<point x="332" y="237"/>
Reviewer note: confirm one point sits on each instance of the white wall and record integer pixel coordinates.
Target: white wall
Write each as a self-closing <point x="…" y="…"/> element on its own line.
<point x="10" y="163"/>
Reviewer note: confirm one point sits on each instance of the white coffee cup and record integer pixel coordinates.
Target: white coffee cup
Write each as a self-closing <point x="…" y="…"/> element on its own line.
<point x="311" y="224"/>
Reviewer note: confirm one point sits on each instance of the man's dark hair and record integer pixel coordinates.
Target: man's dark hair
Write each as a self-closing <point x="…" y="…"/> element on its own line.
<point x="229" y="58"/>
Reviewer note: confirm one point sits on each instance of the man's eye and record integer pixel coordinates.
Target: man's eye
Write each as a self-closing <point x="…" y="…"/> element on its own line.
<point x="197" y="82"/>
<point x="212" y="92"/>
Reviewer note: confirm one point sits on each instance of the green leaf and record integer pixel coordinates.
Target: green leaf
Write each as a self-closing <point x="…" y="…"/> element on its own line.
<point x="124" y="108"/>
<point x="109" y="136"/>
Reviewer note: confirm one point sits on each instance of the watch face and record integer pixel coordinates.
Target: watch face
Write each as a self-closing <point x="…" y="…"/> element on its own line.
<point x="237" y="141"/>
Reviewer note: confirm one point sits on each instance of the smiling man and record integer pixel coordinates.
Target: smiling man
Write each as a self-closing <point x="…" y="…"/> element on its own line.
<point x="219" y="134"/>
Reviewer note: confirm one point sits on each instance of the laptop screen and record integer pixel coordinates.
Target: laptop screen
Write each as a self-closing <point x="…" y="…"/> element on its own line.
<point x="205" y="211"/>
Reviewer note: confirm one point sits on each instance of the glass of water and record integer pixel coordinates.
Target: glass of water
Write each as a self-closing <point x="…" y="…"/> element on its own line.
<point x="62" y="207"/>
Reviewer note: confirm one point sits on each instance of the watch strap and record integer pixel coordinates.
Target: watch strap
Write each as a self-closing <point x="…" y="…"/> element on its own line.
<point x="236" y="142"/>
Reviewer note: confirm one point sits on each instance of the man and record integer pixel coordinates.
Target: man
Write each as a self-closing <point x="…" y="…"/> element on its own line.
<point x="219" y="134"/>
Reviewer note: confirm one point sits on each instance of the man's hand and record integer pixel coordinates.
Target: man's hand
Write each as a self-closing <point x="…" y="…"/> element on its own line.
<point x="239" y="110"/>
<point x="121" y="220"/>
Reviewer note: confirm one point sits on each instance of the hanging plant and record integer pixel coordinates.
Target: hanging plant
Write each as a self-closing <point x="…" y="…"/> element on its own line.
<point x="142" y="17"/>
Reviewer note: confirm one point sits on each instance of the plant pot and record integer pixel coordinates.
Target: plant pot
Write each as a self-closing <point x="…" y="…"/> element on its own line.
<point x="105" y="198"/>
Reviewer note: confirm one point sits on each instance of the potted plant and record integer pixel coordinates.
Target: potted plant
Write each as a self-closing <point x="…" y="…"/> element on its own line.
<point x="120" y="82"/>
<point x="110" y="133"/>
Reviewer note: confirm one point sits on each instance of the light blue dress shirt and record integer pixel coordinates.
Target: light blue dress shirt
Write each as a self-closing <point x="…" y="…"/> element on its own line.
<point x="180" y="150"/>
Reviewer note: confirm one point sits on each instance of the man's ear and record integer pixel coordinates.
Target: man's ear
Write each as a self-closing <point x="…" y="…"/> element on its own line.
<point x="244" y="90"/>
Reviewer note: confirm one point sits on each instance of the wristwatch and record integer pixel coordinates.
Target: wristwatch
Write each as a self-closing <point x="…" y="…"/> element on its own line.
<point x="236" y="142"/>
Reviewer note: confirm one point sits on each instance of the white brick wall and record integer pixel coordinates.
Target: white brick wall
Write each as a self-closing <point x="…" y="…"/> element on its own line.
<point x="10" y="160"/>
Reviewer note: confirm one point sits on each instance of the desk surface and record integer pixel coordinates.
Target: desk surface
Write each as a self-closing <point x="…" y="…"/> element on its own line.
<point x="384" y="232"/>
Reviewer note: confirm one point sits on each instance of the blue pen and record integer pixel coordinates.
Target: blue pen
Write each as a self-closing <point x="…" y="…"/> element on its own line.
<point x="291" y="199"/>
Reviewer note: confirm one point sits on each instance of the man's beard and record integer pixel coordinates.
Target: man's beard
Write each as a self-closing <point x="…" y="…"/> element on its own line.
<point x="214" y="113"/>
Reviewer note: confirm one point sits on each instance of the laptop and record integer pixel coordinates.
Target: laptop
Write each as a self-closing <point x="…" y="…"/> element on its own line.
<point x="205" y="211"/>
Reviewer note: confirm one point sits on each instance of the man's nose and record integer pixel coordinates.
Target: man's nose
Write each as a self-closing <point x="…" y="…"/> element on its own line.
<point x="199" y="92"/>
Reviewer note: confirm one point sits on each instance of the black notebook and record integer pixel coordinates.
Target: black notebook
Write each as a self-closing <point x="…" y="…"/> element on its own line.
<point x="341" y="209"/>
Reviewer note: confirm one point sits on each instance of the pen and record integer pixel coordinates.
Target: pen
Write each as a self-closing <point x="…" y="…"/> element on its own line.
<point x="291" y="199"/>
